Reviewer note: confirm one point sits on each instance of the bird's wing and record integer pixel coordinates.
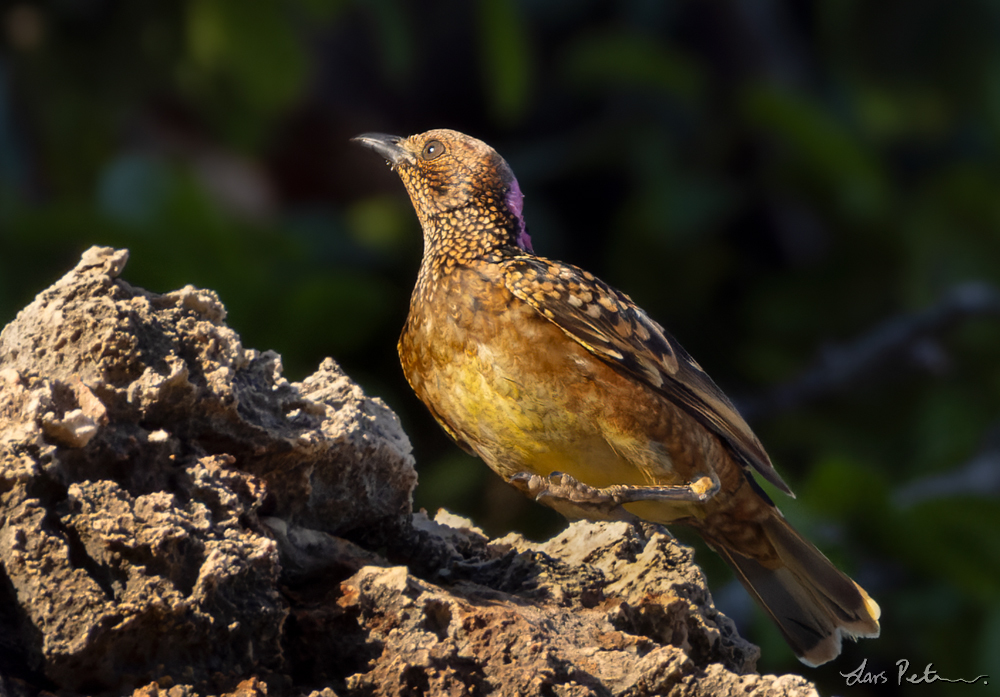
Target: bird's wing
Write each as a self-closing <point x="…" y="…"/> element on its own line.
<point x="608" y="324"/>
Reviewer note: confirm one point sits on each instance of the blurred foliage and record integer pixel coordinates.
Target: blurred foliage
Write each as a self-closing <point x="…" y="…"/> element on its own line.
<point x="765" y="178"/>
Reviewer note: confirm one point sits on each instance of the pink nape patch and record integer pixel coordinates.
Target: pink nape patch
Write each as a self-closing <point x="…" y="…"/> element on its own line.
<point x="515" y="202"/>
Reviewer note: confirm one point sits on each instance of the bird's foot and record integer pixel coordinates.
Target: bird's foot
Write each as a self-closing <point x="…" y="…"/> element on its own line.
<point x="571" y="497"/>
<point x="575" y="499"/>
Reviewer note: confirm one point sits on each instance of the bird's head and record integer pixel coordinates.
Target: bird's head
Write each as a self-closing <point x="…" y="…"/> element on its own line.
<point x="454" y="177"/>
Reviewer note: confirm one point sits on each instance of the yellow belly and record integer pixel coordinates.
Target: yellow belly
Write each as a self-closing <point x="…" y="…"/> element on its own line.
<point x="520" y="422"/>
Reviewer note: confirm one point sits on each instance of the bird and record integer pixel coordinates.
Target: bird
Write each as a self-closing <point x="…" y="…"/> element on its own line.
<point x="573" y="394"/>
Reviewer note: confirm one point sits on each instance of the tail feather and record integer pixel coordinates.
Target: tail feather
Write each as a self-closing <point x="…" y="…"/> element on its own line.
<point x="811" y="601"/>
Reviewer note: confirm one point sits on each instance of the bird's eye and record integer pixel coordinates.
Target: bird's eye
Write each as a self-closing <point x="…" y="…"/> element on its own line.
<point x="432" y="150"/>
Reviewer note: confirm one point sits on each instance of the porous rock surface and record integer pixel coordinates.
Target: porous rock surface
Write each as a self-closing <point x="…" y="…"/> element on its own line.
<point x="178" y="519"/>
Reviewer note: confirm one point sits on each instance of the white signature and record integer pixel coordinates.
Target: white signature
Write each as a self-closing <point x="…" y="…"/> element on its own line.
<point x="861" y="675"/>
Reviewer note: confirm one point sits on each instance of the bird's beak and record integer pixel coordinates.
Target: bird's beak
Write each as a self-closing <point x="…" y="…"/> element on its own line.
<point x="387" y="146"/>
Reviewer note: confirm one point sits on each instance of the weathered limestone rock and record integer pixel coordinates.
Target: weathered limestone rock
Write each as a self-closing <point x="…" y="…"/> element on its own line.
<point x="177" y="519"/>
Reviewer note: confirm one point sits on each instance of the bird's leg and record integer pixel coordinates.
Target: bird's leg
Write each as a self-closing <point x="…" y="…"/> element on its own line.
<point x="575" y="499"/>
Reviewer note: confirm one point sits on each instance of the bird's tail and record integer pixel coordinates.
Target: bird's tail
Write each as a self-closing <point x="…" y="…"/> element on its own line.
<point x="813" y="603"/>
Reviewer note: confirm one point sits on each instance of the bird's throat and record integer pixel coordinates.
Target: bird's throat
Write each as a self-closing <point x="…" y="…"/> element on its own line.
<point x="473" y="232"/>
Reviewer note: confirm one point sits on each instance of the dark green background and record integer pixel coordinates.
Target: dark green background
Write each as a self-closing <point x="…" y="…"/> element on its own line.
<point x="768" y="178"/>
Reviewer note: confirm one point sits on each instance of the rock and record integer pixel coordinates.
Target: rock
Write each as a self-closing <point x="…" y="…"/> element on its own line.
<point x="602" y="609"/>
<point x="139" y="441"/>
<point x="176" y="519"/>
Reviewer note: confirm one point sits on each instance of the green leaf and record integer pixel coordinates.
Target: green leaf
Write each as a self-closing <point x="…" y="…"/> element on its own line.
<point x="611" y="60"/>
<point x="506" y="55"/>
<point x="842" y="488"/>
<point x="251" y="43"/>
<point x="822" y="145"/>
<point x="952" y="539"/>
<point x="392" y="29"/>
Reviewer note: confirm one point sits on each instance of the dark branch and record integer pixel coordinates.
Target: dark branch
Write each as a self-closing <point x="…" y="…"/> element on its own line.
<point x="904" y="340"/>
<point x="978" y="477"/>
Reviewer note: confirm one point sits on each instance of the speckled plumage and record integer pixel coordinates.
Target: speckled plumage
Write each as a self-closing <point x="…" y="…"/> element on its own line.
<point x="538" y="367"/>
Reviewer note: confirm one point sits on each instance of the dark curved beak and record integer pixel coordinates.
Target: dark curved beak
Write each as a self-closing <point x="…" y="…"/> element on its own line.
<point x="387" y="146"/>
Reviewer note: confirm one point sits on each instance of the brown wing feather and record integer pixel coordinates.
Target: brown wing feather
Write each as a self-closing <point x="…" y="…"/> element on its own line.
<point x="611" y="326"/>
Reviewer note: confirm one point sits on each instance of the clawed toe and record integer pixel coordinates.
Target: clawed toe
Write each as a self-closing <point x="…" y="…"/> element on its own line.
<point x="570" y="496"/>
<point x="528" y="483"/>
